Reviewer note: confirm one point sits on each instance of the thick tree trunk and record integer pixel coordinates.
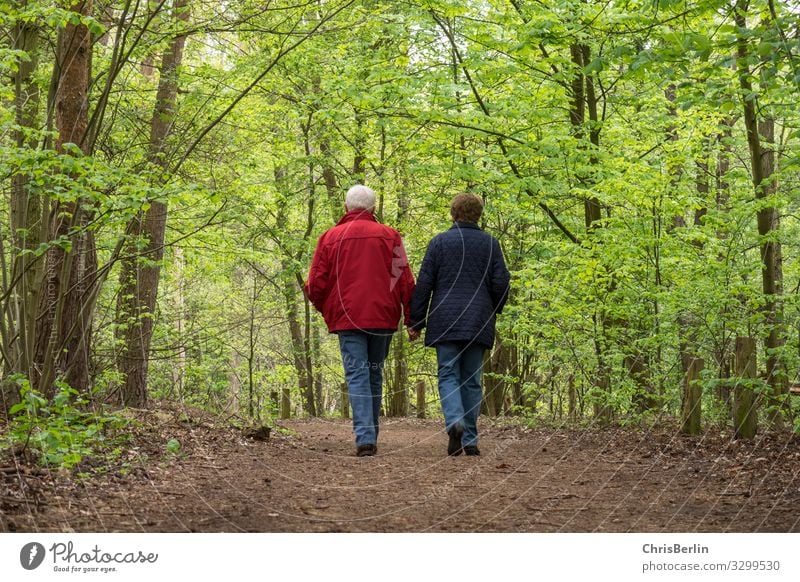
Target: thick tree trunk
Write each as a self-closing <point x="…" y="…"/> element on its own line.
<point x="66" y="306"/>
<point x="572" y="409"/>
<point x="421" y="404"/>
<point x="25" y="213"/>
<point x="398" y="400"/>
<point x="772" y="281"/>
<point x="745" y="414"/>
<point x="494" y="385"/>
<point x="286" y="403"/>
<point x="646" y="396"/>
<point x="762" y="161"/>
<point x="691" y="413"/>
<point x="141" y="270"/>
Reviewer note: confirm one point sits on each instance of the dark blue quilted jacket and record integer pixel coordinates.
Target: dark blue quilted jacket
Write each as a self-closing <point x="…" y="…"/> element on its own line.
<point x="462" y="285"/>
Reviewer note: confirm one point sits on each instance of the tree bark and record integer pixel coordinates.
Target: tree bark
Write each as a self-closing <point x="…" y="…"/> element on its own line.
<point x="319" y="393"/>
<point x="335" y="200"/>
<point x="25" y="213"/>
<point x="179" y="370"/>
<point x="495" y="385"/>
<point x="421" y="404"/>
<point x="762" y="161"/>
<point x="692" y="398"/>
<point x="722" y="355"/>
<point x="141" y="270"/>
<point x="345" y="399"/>
<point x="583" y="97"/>
<point x="398" y="400"/>
<point x="745" y="415"/>
<point x="286" y="403"/>
<point x="63" y="331"/>
<point x="299" y="355"/>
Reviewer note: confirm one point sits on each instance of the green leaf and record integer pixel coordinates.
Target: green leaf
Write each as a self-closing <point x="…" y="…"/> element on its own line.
<point x="173" y="446"/>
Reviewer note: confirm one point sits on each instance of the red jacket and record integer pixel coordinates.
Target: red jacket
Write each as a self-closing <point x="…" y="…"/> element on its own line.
<point x="360" y="277"/>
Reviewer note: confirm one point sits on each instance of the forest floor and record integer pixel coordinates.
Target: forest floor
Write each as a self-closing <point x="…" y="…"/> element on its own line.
<point x="306" y="479"/>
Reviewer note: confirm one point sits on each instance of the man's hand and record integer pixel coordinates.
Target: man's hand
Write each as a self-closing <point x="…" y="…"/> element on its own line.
<point x="413" y="334"/>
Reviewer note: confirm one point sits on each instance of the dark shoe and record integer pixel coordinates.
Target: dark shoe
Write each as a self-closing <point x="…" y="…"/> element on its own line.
<point x="366" y="450"/>
<point x="454" y="445"/>
<point x="472" y="451"/>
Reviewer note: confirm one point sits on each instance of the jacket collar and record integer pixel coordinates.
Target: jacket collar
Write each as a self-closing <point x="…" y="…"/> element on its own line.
<point x="358" y="214"/>
<point x="457" y="224"/>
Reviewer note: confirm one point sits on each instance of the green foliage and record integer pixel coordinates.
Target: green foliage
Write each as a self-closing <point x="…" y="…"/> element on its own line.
<point x="60" y="431"/>
<point x="673" y="260"/>
<point x="173" y="447"/>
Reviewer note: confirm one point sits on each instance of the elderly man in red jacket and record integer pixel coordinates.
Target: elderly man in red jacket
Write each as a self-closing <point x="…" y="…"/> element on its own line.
<point x="361" y="283"/>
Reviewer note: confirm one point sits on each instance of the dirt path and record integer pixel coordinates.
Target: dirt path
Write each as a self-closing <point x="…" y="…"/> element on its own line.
<point x="525" y="481"/>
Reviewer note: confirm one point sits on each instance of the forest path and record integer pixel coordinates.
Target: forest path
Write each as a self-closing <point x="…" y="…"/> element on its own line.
<point x="526" y="480"/>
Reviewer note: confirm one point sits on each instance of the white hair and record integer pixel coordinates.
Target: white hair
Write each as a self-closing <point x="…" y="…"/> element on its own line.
<point x="360" y="198"/>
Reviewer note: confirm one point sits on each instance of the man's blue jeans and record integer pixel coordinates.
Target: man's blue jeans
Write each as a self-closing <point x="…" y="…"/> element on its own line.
<point x="363" y="353"/>
<point x="460" y="367"/>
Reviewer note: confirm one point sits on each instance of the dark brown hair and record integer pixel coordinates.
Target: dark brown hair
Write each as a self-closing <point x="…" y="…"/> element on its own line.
<point x="466" y="208"/>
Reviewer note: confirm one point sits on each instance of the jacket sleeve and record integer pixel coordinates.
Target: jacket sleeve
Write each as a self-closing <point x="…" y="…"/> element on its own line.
<point x="500" y="278"/>
<point x="318" y="282"/>
<point x="405" y="283"/>
<point x="424" y="289"/>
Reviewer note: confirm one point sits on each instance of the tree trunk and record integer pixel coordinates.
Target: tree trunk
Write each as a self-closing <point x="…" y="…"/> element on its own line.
<point x="141" y="270"/>
<point x="345" y="396"/>
<point x="762" y="161"/>
<point x="300" y="338"/>
<point x="745" y="415"/>
<point x="359" y="156"/>
<point x="772" y="281"/>
<point x="286" y="403"/>
<point x="692" y="398"/>
<point x="722" y="355"/>
<point x="495" y="384"/>
<point x="398" y="401"/>
<point x="25" y="213"/>
<point x="335" y="200"/>
<point x="646" y="395"/>
<point x="234" y="384"/>
<point x="572" y="411"/>
<point x="583" y="96"/>
<point x="421" y="404"/>
<point x="66" y="306"/>
<point x="179" y="369"/>
<point x="252" y="339"/>
<point x="312" y="404"/>
<point x="319" y="394"/>
<point x="299" y="356"/>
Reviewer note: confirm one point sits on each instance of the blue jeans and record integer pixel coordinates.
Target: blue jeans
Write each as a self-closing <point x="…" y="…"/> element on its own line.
<point x="363" y="353"/>
<point x="460" y="367"/>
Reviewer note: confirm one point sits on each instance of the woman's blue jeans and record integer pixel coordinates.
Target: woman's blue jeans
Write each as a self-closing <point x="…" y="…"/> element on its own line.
<point x="460" y="367"/>
<point x="363" y="353"/>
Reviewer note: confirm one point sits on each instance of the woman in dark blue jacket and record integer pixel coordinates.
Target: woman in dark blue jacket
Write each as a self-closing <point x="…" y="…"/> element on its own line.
<point x="462" y="286"/>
